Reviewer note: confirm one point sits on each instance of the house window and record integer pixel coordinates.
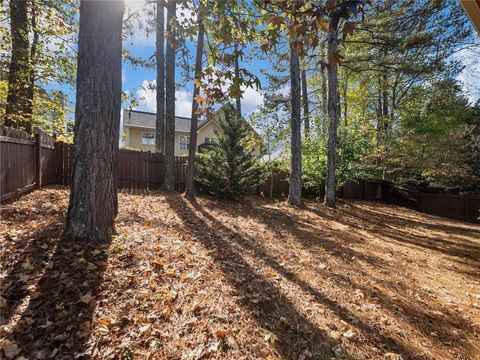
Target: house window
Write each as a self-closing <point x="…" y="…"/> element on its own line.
<point x="148" y="138"/>
<point x="184" y="142"/>
<point x="207" y="140"/>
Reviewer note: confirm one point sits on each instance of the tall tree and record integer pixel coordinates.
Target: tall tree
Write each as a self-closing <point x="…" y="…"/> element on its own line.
<point x="332" y="74"/>
<point x="189" y="186"/>
<point x="32" y="72"/>
<point x="170" y="98"/>
<point x="238" y="100"/>
<point x="295" y="188"/>
<point x="93" y="194"/>
<point x="306" y="112"/>
<point x="18" y="77"/>
<point x="160" y="57"/>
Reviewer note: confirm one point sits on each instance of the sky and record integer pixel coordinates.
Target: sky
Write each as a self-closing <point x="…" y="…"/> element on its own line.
<point x="135" y="79"/>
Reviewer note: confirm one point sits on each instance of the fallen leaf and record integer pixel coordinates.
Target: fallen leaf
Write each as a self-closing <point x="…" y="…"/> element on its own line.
<point x="106" y="321"/>
<point x="272" y="273"/>
<point x="10" y="349"/>
<point x="220" y="334"/>
<point x="335" y="335"/>
<point x="86" y="298"/>
<point x="393" y="356"/>
<point x="349" y="334"/>
<point x="102" y="330"/>
<point x="146" y="329"/>
<point x="27" y="264"/>
<point x="269" y="336"/>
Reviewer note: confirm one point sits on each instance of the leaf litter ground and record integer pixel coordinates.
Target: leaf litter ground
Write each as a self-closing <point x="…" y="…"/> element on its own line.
<point x="250" y="280"/>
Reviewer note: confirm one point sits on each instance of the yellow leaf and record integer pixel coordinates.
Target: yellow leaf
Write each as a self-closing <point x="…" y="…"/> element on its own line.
<point x="269" y="336"/>
<point x="156" y="261"/>
<point x="272" y="273"/>
<point x="102" y="330"/>
<point x="27" y="264"/>
<point x="170" y="272"/>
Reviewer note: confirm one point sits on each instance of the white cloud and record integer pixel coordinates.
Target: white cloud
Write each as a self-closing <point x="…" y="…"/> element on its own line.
<point x="470" y="76"/>
<point x="252" y="99"/>
<point x="147" y="100"/>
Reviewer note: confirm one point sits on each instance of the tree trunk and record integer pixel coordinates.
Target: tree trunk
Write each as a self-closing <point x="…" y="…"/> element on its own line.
<point x="345" y="100"/>
<point x="295" y="188"/>
<point x="93" y="193"/>
<point x="306" y="112"/>
<point x="160" y="57"/>
<point x="330" y="181"/>
<point x="31" y="76"/>
<point x="189" y="187"/>
<point x="238" y="103"/>
<point x="324" y="97"/>
<point x="18" y="76"/>
<point x="170" y="99"/>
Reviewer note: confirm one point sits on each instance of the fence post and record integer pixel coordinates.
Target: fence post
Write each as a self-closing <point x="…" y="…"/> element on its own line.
<point x="148" y="163"/>
<point x="466" y="207"/>
<point x="140" y="181"/>
<point x="38" y="160"/>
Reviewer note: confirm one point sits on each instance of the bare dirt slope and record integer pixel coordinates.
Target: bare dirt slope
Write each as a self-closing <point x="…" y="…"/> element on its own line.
<point x="252" y="280"/>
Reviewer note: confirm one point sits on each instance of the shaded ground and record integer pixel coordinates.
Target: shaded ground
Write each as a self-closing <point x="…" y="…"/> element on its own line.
<point x="256" y="280"/>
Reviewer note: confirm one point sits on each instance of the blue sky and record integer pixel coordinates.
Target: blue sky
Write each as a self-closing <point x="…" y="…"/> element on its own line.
<point x="134" y="79"/>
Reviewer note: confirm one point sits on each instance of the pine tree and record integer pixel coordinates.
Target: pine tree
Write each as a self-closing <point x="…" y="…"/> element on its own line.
<point x="230" y="169"/>
<point x="93" y="193"/>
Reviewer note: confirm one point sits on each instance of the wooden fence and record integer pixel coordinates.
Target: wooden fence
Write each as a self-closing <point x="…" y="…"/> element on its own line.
<point x="137" y="170"/>
<point x="458" y="207"/>
<point x="29" y="163"/>
<point x="25" y="163"/>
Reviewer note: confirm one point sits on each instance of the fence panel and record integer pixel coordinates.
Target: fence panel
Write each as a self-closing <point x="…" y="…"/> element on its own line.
<point x="473" y="208"/>
<point x="447" y="205"/>
<point x="17" y="163"/>
<point x="280" y="184"/>
<point x="403" y="197"/>
<point x="371" y="190"/>
<point x="353" y="190"/>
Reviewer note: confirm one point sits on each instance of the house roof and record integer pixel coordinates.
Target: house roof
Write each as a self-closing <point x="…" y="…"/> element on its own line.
<point x="137" y="118"/>
<point x="472" y="8"/>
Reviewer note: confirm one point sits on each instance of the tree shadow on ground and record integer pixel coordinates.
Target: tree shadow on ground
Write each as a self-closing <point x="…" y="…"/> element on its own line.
<point x="436" y="323"/>
<point x="387" y="225"/>
<point x="262" y="297"/>
<point x="55" y="320"/>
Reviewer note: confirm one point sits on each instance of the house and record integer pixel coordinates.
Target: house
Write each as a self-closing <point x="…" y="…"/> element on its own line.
<point x="139" y="129"/>
<point x="472" y="8"/>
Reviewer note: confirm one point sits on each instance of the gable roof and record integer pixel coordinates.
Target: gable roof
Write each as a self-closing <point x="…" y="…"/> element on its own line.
<point x="147" y="120"/>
